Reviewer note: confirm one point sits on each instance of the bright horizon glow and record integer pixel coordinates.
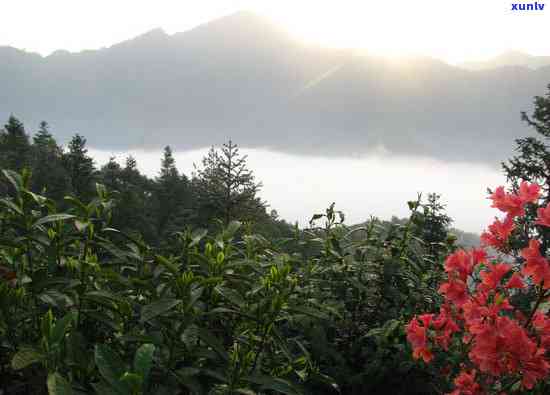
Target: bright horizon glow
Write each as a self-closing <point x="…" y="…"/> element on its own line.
<point x="453" y="31"/>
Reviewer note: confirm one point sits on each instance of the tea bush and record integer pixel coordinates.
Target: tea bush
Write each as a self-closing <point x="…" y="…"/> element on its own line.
<point x="86" y="308"/>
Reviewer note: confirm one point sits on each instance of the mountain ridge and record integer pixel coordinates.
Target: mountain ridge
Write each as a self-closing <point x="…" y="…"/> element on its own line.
<point x="244" y="78"/>
<point x="509" y="59"/>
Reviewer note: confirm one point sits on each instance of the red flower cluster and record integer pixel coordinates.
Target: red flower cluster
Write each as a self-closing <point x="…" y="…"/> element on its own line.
<point x="465" y="384"/>
<point x="500" y="345"/>
<point x="543" y="214"/>
<point x="514" y="206"/>
<point x="536" y="265"/>
<point x="498" y="232"/>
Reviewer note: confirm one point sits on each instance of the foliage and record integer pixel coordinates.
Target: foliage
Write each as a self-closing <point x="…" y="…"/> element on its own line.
<point x="86" y="308"/>
<point x="80" y="167"/>
<point x="14" y="145"/>
<point x="172" y="196"/>
<point x="225" y="187"/>
<point x="151" y="209"/>
<point x="49" y="175"/>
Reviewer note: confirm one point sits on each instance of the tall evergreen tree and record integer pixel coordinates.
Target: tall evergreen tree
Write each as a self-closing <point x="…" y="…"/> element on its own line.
<point x="226" y="188"/>
<point x="48" y="174"/>
<point x="138" y="201"/>
<point x="15" y="148"/>
<point x="80" y="168"/>
<point x="110" y="175"/>
<point x="173" y="196"/>
<point x="131" y="164"/>
<point x="133" y="196"/>
<point x="532" y="163"/>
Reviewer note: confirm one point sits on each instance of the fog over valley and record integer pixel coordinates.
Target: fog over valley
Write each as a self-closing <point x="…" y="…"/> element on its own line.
<point x="377" y="184"/>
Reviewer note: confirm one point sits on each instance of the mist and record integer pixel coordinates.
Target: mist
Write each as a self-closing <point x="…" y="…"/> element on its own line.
<point x="378" y="184"/>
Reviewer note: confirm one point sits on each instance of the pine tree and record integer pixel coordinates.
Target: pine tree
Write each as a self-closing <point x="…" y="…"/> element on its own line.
<point x="131" y="164"/>
<point x="226" y="188"/>
<point x="49" y="177"/>
<point x="80" y="168"/>
<point x="110" y="175"/>
<point x="15" y="148"/>
<point x="132" y="193"/>
<point x="173" y="197"/>
<point x="532" y="164"/>
<point x="533" y="160"/>
<point x="138" y="201"/>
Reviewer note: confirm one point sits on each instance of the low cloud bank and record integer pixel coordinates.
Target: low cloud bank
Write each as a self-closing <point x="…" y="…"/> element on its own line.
<point x="379" y="184"/>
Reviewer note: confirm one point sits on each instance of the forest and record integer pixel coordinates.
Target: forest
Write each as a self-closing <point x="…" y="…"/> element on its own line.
<point x="115" y="283"/>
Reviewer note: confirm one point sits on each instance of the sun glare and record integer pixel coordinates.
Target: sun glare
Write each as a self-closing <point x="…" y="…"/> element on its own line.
<point x="451" y="31"/>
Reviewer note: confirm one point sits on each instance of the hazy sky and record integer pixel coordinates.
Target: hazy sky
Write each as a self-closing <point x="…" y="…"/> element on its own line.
<point x="377" y="184"/>
<point x="449" y="29"/>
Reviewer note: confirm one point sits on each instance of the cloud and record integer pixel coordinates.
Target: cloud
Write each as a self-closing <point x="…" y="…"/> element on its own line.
<point x="377" y="184"/>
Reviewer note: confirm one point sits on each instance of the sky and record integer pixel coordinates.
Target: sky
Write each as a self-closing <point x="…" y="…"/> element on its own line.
<point x="379" y="184"/>
<point x="454" y="30"/>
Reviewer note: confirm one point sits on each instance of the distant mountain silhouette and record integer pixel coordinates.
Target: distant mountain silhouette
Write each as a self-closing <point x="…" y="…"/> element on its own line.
<point x="509" y="58"/>
<point x="242" y="77"/>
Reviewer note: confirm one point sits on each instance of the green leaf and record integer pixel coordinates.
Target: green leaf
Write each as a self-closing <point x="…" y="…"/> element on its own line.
<point x="57" y="385"/>
<point x="316" y="217"/>
<point x="60" y="328"/>
<point x="102" y="388"/>
<point x="14" y="178"/>
<point x="195" y="295"/>
<point x="56" y="299"/>
<point x="40" y="200"/>
<point x="143" y="360"/>
<point x="186" y="377"/>
<point x="213" y="342"/>
<point x="308" y="311"/>
<point x="26" y="357"/>
<point x="275" y="384"/>
<point x="188" y="371"/>
<point x="197" y="236"/>
<point x="103" y="298"/>
<point x="214" y="374"/>
<point x="77" y="203"/>
<point x="232" y="228"/>
<point x="281" y="386"/>
<point x="157" y="308"/>
<point x="9" y="204"/>
<point x="101" y="190"/>
<point x="109" y="321"/>
<point x="52" y="218"/>
<point x="167" y="264"/>
<point x="110" y="366"/>
<point x="133" y="381"/>
<point x="231" y="295"/>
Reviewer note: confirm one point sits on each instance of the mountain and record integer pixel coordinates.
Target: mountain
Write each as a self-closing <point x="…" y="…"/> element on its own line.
<point x="509" y="58"/>
<point x="243" y="77"/>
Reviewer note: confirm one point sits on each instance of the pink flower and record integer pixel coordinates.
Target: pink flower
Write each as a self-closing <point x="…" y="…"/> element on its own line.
<point x="543" y="216"/>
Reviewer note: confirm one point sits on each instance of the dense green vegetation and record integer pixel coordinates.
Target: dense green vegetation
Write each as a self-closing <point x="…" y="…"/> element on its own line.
<point x="226" y="312"/>
<point x="222" y="188"/>
<point x="197" y="282"/>
<point x="113" y="283"/>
